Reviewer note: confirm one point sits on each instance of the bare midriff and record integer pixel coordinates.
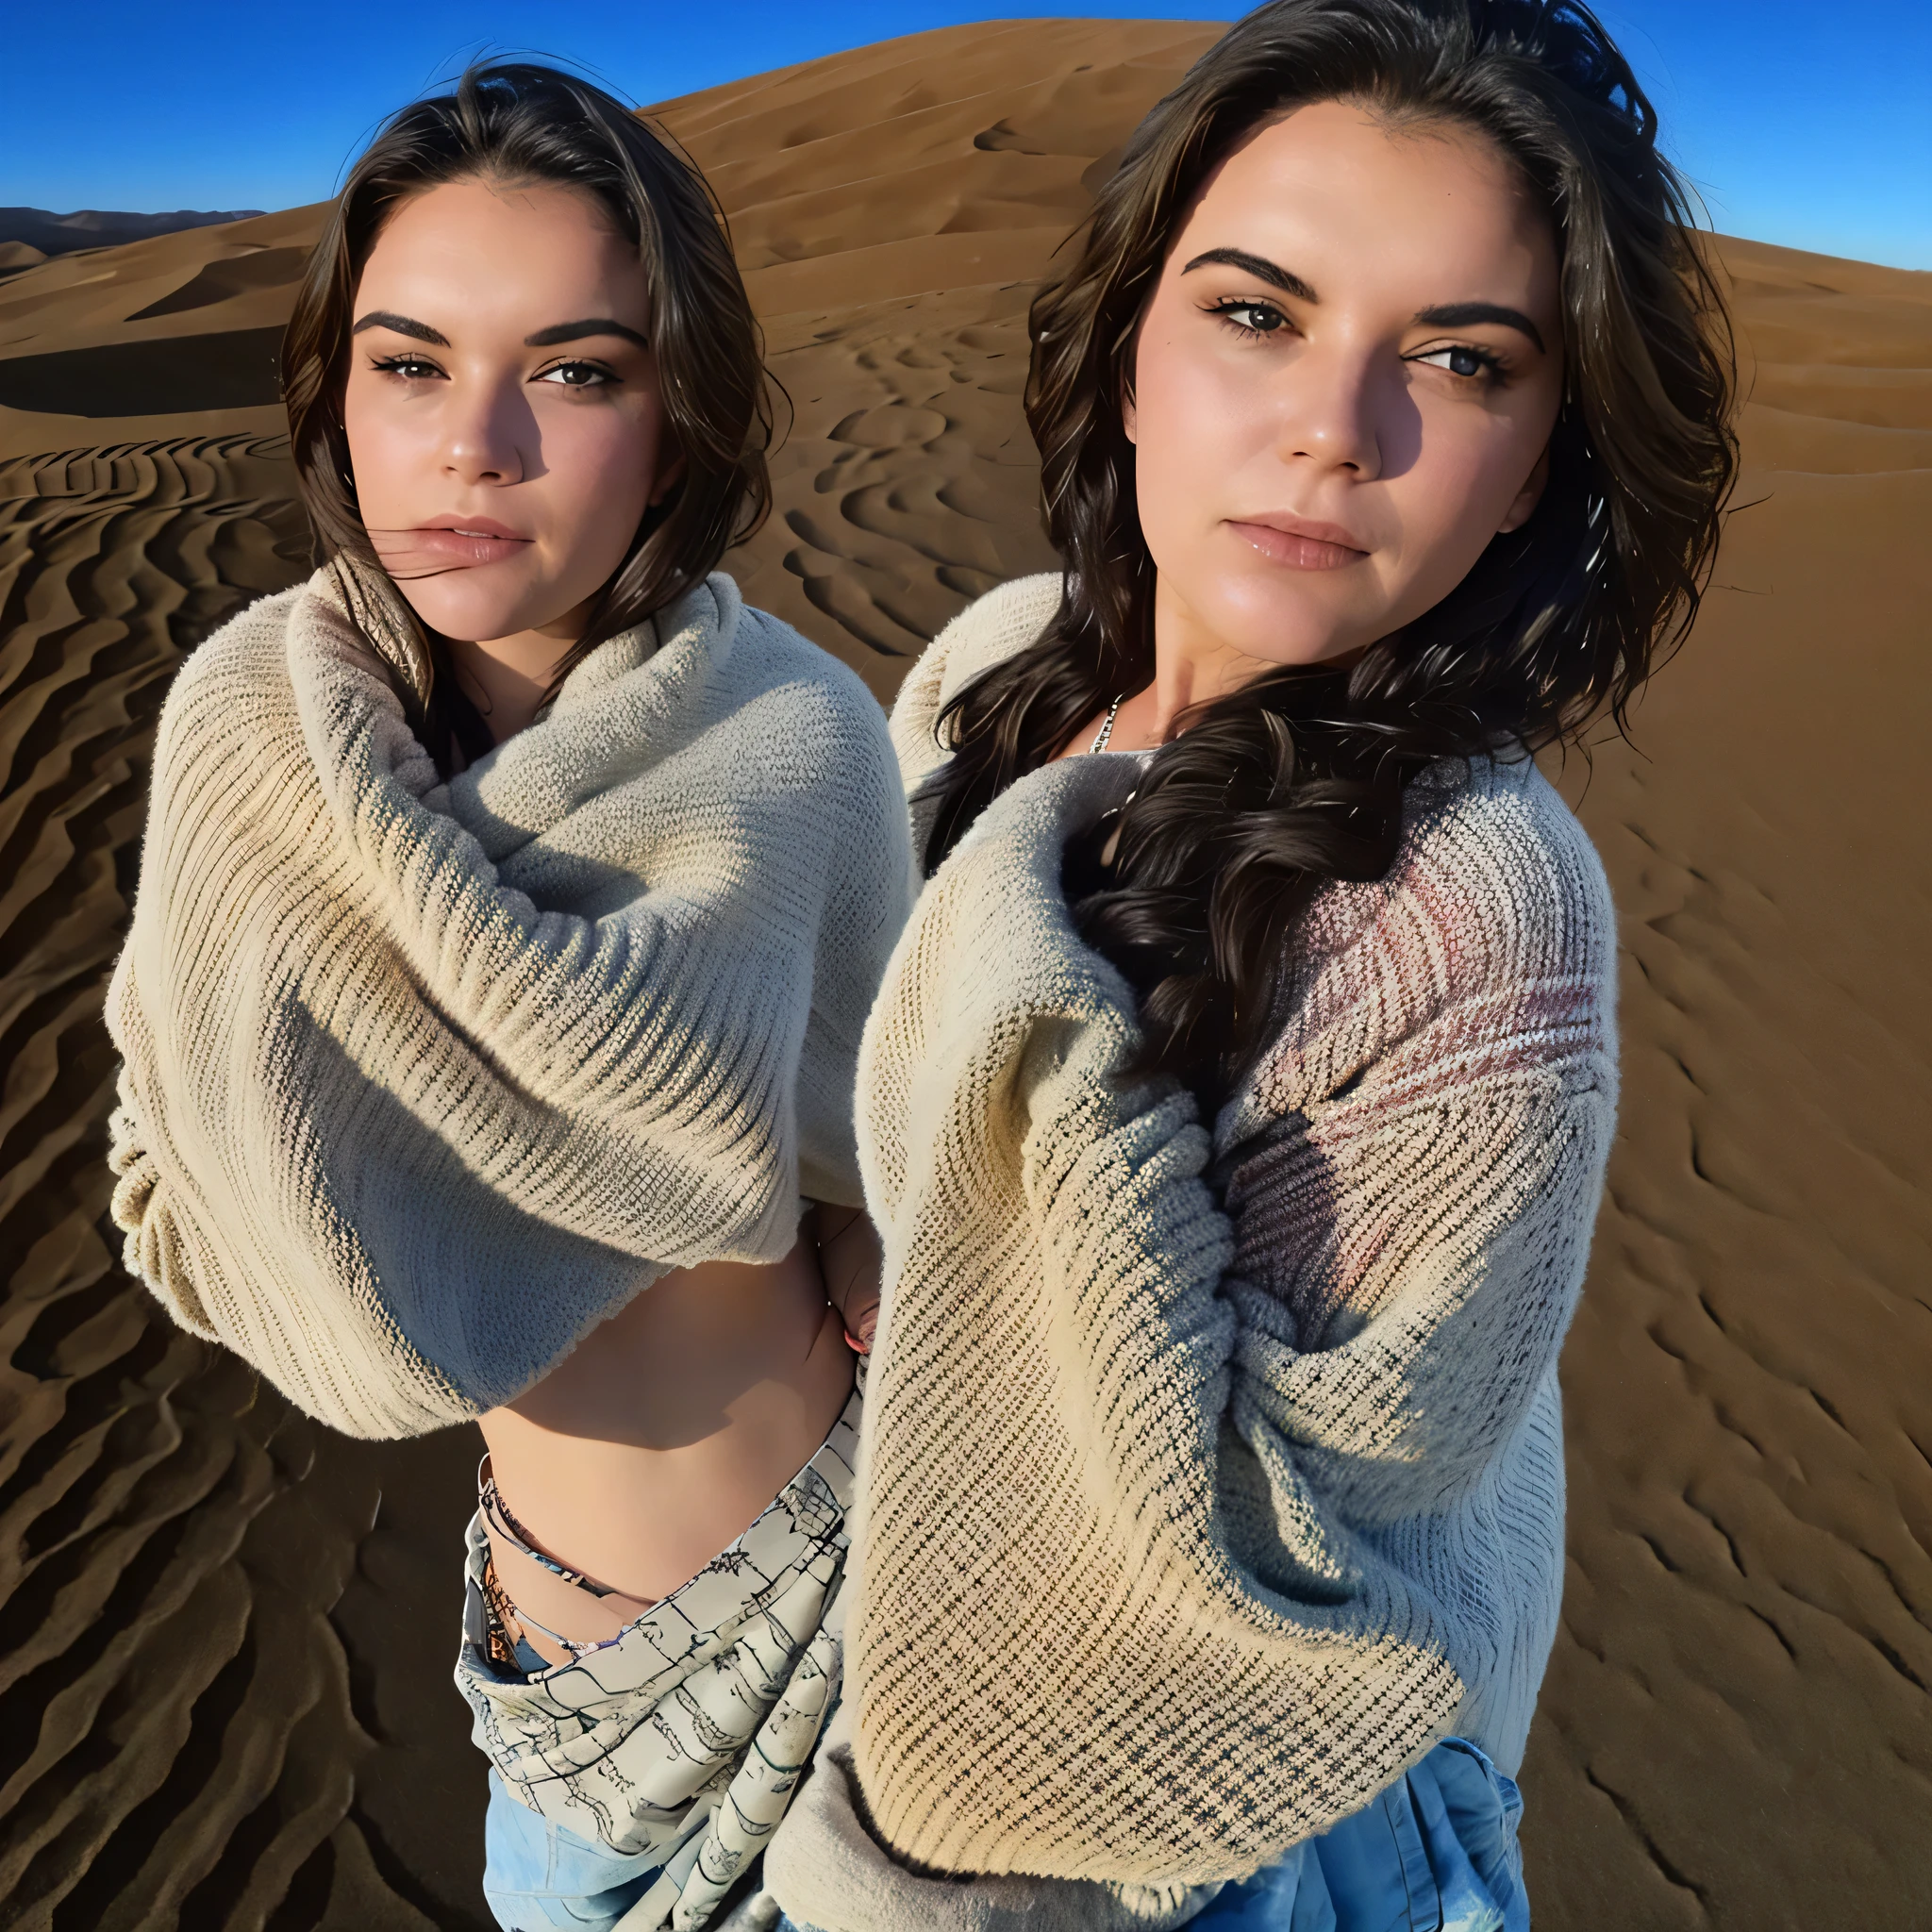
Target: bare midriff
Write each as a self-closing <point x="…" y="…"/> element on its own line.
<point x="666" y="1432"/>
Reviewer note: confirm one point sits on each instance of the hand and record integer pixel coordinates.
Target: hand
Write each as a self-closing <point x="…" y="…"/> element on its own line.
<point x="853" y="1262"/>
<point x="861" y="1323"/>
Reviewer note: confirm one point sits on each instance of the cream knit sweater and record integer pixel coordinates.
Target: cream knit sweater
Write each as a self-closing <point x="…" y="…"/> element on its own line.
<point x="423" y="1081"/>
<point x="1186" y="1530"/>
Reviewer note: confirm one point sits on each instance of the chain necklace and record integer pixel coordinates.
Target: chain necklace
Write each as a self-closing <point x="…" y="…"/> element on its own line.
<point x="1106" y="730"/>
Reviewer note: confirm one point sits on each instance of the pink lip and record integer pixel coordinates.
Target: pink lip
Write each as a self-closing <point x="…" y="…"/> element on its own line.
<point x="450" y="542"/>
<point x="469" y="540"/>
<point x="1299" y="543"/>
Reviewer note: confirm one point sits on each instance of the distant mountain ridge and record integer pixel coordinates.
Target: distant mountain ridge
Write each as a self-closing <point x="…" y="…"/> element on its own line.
<point x="47" y="234"/>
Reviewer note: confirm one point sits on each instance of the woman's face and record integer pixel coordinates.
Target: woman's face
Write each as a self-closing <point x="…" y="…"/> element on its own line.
<point x="1344" y="383"/>
<point x="504" y="419"/>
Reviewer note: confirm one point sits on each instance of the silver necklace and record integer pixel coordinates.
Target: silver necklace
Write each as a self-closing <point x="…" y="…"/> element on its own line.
<point x="1106" y="731"/>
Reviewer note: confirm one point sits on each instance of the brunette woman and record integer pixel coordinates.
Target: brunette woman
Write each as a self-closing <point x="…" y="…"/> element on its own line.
<point x="1214" y="1531"/>
<point x="512" y="900"/>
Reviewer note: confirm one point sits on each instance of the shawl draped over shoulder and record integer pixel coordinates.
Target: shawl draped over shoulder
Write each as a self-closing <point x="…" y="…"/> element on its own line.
<point x="1211" y="1476"/>
<point x="421" y="1081"/>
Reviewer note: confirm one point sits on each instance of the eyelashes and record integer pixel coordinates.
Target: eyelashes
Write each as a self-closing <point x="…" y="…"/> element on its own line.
<point x="1253" y="320"/>
<point x="578" y="376"/>
<point x="559" y="377"/>
<point x="1269" y="320"/>
<point x="1485" y="363"/>
<point x="397" y="365"/>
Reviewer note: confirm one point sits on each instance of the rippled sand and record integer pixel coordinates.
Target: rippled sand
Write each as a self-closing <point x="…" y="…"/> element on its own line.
<point x="225" y="1635"/>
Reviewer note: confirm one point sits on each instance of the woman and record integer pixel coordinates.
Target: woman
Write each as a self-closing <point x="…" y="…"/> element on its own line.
<point x="1212" y="1540"/>
<point x="512" y="901"/>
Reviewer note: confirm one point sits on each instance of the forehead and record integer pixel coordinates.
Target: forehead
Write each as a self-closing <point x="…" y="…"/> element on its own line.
<point x="1339" y="194"/>
<point x="469" y="242"/>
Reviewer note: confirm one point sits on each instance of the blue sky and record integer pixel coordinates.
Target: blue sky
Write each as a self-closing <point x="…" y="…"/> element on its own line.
<point x="1802" y="123"/>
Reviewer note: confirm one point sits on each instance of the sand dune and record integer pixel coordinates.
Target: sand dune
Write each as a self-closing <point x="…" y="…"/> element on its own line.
<point x="224" y="1633"/>
<point x="48" y="234"/>
<point x="1740" y="1689"/>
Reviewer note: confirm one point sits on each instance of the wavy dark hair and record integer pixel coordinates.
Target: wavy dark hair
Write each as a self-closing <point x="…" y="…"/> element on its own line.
<point x="1298" y="778"/>
<point x="519" y="123"/>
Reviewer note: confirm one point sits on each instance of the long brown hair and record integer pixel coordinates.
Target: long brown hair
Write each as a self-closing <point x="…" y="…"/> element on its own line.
<point x="519" y="122"/>
<point x="1299" y="778"/>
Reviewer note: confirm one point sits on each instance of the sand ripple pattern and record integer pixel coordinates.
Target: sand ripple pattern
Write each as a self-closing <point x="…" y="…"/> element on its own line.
<point x="181" y="1728"/>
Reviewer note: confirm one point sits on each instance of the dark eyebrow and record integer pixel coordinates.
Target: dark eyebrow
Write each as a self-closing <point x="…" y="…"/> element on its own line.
<point x="381" y="318"/>
<point x="1444" y="315"/>
<point x="576" y="331"/>
<point x="1257" y="266"/>
<point x="1460" y="315"/>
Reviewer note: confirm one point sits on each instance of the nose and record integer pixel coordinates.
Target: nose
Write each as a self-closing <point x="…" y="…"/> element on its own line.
<point x="1327" y="410"/>
<point x="481" y="439"/>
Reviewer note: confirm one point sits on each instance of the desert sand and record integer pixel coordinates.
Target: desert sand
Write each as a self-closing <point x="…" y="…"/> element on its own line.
<point x="225" y="1634"/>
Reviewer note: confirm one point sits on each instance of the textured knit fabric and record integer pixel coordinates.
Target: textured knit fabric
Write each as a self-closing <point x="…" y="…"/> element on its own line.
<point x="684" y="1739"/>
<point x="1184" y="1532"/>
<point x="825" y="1869"/>
<point x="423" y="1081"/>
<point x="1436" y="1850"/>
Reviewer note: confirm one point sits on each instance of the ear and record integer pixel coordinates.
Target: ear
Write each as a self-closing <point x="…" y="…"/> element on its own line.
<point x="1524" y="507"/>
<point x="1130" y="420"/>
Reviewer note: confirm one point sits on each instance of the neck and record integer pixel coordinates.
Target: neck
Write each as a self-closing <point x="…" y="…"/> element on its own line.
<point x="508" y="679"/>
<point x="1192" y="666"/>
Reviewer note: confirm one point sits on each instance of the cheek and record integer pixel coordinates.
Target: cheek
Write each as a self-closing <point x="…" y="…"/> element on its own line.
<point x="1467" y="472"/>
<point x="382" y="456"/>
<point x="1195" y="425"/>
<point x="601" y="464"/>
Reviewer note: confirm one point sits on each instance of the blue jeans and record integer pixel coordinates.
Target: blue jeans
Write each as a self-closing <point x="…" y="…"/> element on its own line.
<point x="538" y="1875"/>
<point x="1437" y="1849"/>
<point x="1436" y="1852"/>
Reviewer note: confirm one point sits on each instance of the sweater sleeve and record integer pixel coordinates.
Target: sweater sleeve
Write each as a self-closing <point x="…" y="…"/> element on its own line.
<point x="999" y="625"/>
<point x="868" y="894"/>
<point x="154" y="1249"/>
<point x="151" y="1203"/>
<point x="1228" y="1516"/>
<point x="1414" y="1180"/>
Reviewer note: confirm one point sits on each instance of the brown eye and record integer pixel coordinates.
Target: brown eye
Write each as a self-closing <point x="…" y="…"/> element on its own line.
<point x="1252" y="318"/>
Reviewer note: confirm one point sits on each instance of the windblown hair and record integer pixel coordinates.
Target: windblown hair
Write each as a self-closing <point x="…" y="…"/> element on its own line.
<point x="521" y="122"/>
<point x="1299" y="778"/>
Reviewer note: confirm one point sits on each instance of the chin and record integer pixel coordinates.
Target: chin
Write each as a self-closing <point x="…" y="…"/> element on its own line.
<point x="1276" y="626"/>
<point x="468" y="619"/>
